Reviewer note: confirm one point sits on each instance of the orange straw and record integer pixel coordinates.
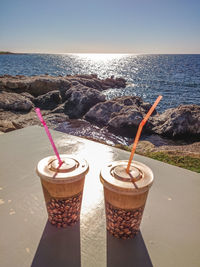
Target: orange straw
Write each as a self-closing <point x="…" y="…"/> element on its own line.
<point x="137" y="137"/>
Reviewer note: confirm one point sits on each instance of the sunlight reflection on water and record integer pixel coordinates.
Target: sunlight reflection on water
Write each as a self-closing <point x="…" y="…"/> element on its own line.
<point x="172" y="76"/>
<point x="100" y="57"/>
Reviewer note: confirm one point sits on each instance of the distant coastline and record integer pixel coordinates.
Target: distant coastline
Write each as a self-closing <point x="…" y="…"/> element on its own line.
<point x="10" y="53"/>
<point x="97" y="53"/>
<point x="6" y="53"/>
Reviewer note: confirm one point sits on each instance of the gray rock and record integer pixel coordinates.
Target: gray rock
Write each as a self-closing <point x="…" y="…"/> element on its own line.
<point x="35" y="85"/>
<point x="49" y="100"/>
<point x="127" y="120"/>
<point x="10" y="121"/>
<point x="80" y="99"/>
<point x="86" y="76"/>
<point x="114" y="83"/>
<point x="6" y="126"/>
<point x="102" y="112"/>
<point x="43" y="85"/>
<point x="16" y="84"/>
<point x="122" y="114"/>
<point x="29" y="96"/>
<point x="93" y="82"/>
<point x="15" y="102"/>
<point x="59" y="109"/>
<point x="180" y="122"/>
<point x="53" y="120"/>
<point x="89" y="82"/>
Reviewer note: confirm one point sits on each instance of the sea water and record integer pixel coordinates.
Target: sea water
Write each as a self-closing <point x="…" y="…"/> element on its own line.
<point x="176" y="77"/>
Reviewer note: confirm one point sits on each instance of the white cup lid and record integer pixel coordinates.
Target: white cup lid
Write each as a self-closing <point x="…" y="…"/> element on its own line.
<point x="114" y="176"/>
<point x="72" y="168"/>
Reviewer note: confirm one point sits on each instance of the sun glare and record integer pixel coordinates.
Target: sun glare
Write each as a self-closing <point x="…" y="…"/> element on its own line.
<point x="101" y="57"/>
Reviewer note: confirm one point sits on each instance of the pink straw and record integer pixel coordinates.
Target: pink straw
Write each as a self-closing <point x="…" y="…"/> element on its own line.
<point x="37" y="110"/>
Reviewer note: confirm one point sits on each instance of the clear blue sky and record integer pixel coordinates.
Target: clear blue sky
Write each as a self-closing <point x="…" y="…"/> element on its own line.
<point x="90" y="26"/>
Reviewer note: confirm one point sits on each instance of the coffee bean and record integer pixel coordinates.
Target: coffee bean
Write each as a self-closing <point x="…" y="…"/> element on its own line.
<point x="136" y="214"/>
<point x="123" y="223"/>
<point x="64" y="212"/>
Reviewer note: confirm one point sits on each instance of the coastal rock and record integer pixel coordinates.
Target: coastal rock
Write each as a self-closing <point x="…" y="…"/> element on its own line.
<point x="59" y="109"/>
<point x="114" y="83"/>
<point x="102" y="112"/>
<point x="122" y="114"/>
<point x="35" y="85"/>
<point x="61" y="98"/>
<point x="13" y="101"/>
<point x="86" y="76"/>
<point x="42" y="85"/>
<point x="6" y="126"/>
<point x="80" y="99"/>
<point x="89" y="82"/>
<point x="48" y="101"/>
<point x="180" y="122"/>
<point x="93" y="82"/>
<point x="29" y="96"/>
<point x="14" y="84"/>
<point x="18" y="119"/>
<point x="10" y="121"/>
<point x="53" y="120"/>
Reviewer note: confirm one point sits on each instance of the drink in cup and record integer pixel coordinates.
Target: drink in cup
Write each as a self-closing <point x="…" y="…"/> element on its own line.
<point x="63" y="188"/>
<point x="125" y="196"/>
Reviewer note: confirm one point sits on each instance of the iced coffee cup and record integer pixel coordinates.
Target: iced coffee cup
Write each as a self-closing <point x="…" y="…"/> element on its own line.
<point x="125" y="196"/>
<point x="63" y="188"/>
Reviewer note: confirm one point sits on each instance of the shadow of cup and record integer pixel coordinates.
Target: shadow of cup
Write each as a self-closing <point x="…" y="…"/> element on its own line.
<point x="129" y="252"/>
<point x="59" y="247"/>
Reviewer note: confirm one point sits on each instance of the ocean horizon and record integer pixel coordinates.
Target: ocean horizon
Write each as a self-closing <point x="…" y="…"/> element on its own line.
<point x="174" y="76"/>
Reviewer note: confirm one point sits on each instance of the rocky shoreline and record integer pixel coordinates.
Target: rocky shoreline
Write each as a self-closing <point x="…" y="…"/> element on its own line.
<point x="79" y="100"/>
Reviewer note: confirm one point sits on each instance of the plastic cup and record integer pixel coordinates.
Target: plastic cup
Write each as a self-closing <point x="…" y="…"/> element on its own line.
<point x="62" y="188"/>
<point x="125" y="196"/>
